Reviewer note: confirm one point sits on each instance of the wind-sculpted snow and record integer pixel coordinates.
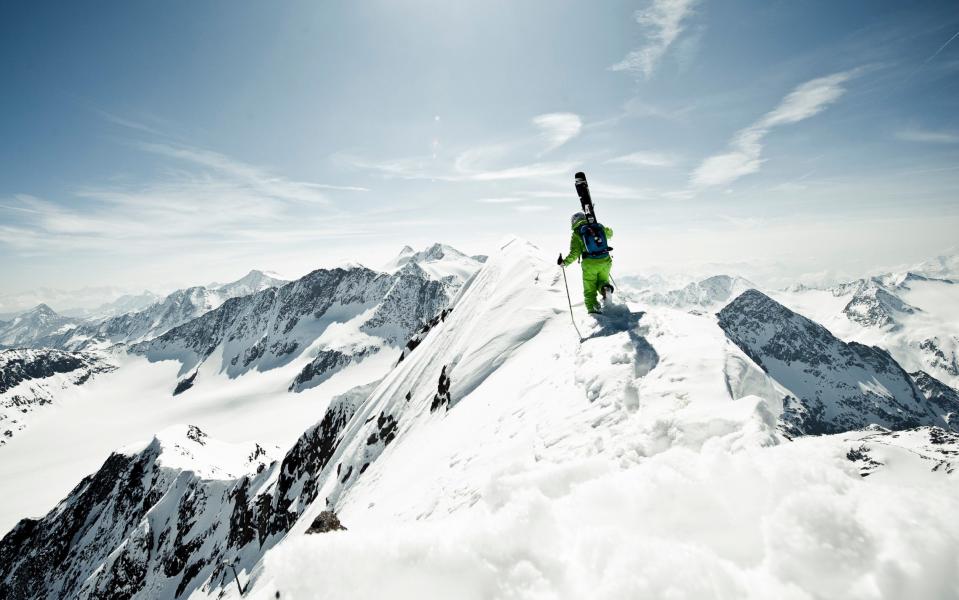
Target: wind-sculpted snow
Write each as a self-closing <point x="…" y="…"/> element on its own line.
<point x="834" y="386"/>
<point x="497" y="313"/>
<point x="30" y="379"/>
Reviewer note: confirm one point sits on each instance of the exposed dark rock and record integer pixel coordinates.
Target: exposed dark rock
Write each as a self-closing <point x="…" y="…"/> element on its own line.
<point x="184" y="384"/>
<point x="422" y="332"/>
<point x="325" y="522"/>
<point x="326" y="364"/>
<point x="442" y="396"/>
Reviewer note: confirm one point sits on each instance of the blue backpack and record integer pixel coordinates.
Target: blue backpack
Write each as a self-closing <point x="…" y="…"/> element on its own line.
<point x="594" y="239"/>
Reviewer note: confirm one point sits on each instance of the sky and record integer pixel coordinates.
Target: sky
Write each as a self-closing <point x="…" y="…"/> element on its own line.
<point x="148" y="145"/>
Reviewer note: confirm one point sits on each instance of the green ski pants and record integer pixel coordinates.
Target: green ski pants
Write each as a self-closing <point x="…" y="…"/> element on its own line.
<point x="595" y="275"/>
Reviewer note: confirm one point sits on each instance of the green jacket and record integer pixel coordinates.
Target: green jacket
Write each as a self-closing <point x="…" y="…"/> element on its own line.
<point x="576" y="246"/>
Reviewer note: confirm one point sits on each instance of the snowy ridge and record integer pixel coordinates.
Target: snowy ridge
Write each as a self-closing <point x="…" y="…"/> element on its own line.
<point x="30" y="380"/>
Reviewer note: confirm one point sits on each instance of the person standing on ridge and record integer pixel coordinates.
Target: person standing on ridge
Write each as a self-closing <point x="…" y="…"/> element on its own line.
<point x="588" y="241"/>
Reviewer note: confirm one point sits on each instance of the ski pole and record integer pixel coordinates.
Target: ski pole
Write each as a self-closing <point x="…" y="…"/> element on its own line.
<point x="570" y="302"/>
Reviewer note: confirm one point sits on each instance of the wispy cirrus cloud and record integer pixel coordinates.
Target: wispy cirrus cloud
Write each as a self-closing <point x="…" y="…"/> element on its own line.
<point x="645" y="159"/>
<point x="505" y="200"/>
<point x="203" y="197"/>
<point x="927" y="136"/>
<point x="515" y="159"/>
<point x="476" y="165"/>
<point x="663" y="21"/>
<point x="558" y="128"/>
<point x="745" y="150"/>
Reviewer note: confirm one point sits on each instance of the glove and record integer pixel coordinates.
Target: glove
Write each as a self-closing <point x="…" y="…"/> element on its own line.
<point x="559" y="261"/>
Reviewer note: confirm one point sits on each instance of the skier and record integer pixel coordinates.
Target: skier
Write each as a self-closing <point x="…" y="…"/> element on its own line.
<point x="588" y="241"/>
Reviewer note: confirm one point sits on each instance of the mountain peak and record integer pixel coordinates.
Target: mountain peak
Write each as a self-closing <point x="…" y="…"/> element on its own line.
<point x="42" y="309"/>
<point x="440" y="260"/>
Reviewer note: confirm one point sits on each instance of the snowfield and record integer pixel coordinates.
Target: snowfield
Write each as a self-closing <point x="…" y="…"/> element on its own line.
<point x="505" y="458"/>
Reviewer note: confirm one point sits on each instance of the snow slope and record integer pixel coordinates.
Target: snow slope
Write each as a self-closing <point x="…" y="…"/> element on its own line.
<point x="502" y="458"/>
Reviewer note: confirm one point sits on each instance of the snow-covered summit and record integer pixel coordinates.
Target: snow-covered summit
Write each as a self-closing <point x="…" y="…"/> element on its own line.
<point x="188" y="448"/>
<point x="38" y="322"/>
<point x="441" y="261"/>
<point x="251" y="283"/>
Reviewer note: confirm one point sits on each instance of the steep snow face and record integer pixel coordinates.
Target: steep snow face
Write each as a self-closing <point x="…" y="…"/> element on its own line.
<point x="31" y="379"/>
<point x="39" y="322"/>
<point x="329" y="317"/>
<point x="441" y="261"/>
<point x="834" y="386"/>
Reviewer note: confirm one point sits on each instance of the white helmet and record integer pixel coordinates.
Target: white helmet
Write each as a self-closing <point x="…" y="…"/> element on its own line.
<point x="576" y="217"/>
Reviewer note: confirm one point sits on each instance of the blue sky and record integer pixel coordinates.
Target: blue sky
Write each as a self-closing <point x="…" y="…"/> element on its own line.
<point x="147" y="144"/>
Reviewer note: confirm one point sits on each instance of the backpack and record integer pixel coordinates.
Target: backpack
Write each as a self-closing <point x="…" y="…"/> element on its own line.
<point x="594" y="239"/>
